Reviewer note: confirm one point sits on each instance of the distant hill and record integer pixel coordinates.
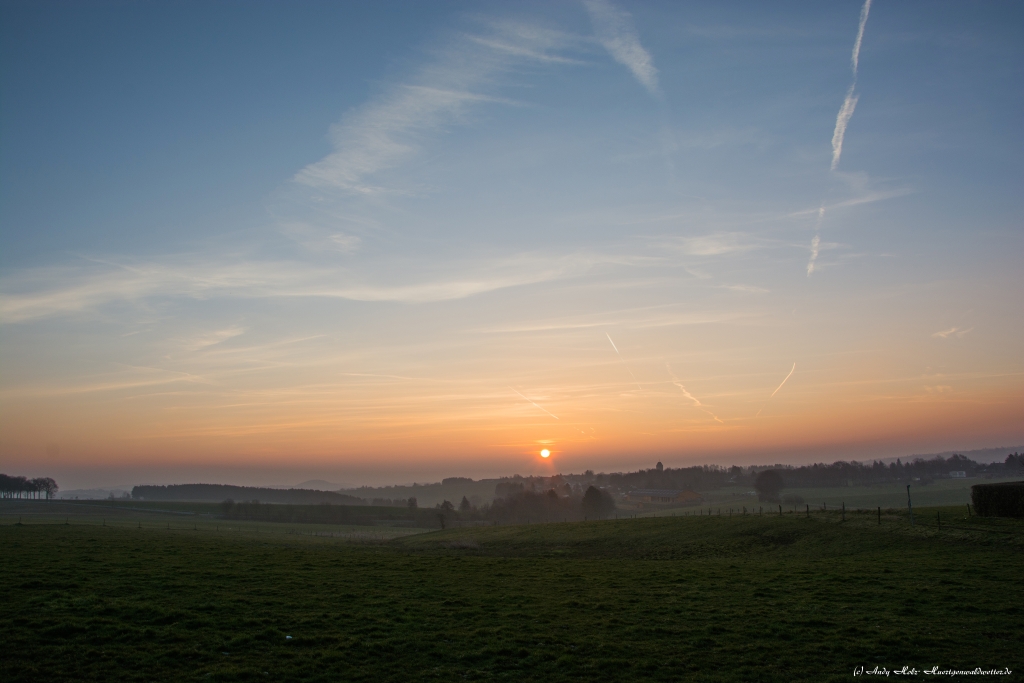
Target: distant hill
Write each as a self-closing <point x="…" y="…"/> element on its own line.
<point x="982" y="455"/>
<point x="215" y="493"/>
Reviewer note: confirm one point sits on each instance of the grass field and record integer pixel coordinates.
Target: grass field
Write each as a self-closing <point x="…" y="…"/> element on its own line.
<point x="742" y="598"/>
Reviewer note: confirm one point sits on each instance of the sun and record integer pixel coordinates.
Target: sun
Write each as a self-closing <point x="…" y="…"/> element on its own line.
<point x="545" y="453"/>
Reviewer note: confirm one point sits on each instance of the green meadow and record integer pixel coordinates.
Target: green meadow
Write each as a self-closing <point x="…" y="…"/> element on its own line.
<point x="170" y="593"/>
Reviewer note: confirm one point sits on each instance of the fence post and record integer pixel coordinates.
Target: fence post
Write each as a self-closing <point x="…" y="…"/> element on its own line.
<point x="938" y="519"/>
<point x="780" y="510"/>
<point x="910" y="506"/>
<point x="879" y="515"/>
<point x="808" y="510"/>
<point x="968" y="509"/>
<point x="844" y="510"/>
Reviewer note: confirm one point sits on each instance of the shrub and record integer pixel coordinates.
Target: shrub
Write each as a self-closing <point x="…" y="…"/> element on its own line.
<point x="999" y="500"/>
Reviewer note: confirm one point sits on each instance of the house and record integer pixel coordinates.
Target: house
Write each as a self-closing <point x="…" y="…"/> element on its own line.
<point x="662" y="496"/>
<point x="957" y="475"/>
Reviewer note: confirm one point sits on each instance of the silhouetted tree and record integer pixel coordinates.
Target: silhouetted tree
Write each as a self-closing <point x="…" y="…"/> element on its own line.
<point x="597" y="503"/>
<point x="464" y="506"/>
<point x="768" y="484"/>
<point x="412" y="503"/>
<point x="47" y="486"/>
<point x="446" y="506"/>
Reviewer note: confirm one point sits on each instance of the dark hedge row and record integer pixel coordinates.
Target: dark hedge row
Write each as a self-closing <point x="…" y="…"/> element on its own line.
<point x="215" y="493"/>
<point x="999" y="500"/>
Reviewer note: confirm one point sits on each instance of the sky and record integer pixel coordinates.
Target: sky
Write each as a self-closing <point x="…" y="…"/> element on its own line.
<point x="261" y="242"/>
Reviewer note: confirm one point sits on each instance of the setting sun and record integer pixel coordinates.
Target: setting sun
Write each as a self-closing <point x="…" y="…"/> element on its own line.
<point x="545" y="453"/>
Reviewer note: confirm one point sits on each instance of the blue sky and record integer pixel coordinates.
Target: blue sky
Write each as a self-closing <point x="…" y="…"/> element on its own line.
<point x="295" y="239"/>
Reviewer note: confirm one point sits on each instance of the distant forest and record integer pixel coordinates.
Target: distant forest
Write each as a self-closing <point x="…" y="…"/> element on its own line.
<point x="22" y="487"/>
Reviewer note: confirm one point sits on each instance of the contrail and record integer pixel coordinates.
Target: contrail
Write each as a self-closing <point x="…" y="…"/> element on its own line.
<point x="687" y="394"/>
<point x="816" y="240"/>
<point x="535" y="405"/>
<point x="842" y="121"/>
<point x="787" y="376"/>
<point x="623" y="362"/>
<point x="777" y="389"/>
<point x="613" y="344"/>
<point x="855" y="57"/>
<point x="850" y="102"/>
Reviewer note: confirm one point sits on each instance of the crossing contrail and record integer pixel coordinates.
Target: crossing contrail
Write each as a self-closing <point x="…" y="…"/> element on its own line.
<point x="535" y="405"/>
<point x="791" y="371"/>
<point x="623" y="362"/>
<point x="687" y="394"/>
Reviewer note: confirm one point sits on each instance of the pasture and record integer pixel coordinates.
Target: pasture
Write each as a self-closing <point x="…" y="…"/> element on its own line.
<point x="168" y="596"/>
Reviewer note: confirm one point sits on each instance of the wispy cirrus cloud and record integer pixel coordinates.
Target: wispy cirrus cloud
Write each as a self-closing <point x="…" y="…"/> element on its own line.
<point x="617" y="33"/>
<point x="45" y="292"/>
<point x="716" y="244"/>
<point x="390" y="129"/>
<point x="213" y="338"/>
<point x="952" y="332"/>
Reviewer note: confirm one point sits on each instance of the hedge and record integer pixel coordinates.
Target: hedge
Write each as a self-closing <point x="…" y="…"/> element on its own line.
<point x="999" y="500"/>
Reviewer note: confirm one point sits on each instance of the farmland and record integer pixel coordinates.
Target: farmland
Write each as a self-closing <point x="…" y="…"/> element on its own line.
<point x="102" y="592"/>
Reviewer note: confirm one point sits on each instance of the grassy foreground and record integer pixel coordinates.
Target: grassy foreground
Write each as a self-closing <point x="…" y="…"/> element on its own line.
<point x="667" y="599"/>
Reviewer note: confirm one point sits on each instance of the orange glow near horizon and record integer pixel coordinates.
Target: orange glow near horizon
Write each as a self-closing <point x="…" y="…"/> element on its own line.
<point x="474" y="426"/>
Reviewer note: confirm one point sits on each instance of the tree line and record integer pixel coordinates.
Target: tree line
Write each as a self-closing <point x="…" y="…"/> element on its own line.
<point x="23" y="487"/>
<point x="817" y="475"/>
<point x="516" y="504"/>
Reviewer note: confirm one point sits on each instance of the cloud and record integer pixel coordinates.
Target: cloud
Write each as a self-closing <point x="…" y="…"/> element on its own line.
<point x="716" y="244"/>
<point x="842" y="120"/>
<point x="816" y="240"/>
<point x="952" y="332"/>
<point x="535" y="405"/>
<point x="746" y="289"/>
<point x="815" y="244"/>
<point x="616" y="32"/>
<point x="855" y="57"/>
<point x="687" y="394"/>
<point x="320" y="240"/>
<point x="850" y="102"/>
<point x="867" y="198"/>
<point x="791" y="371"/>
<point x="45" y="292"/>
<point x="214" y="338"/>
<point x="389" y="130"/>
